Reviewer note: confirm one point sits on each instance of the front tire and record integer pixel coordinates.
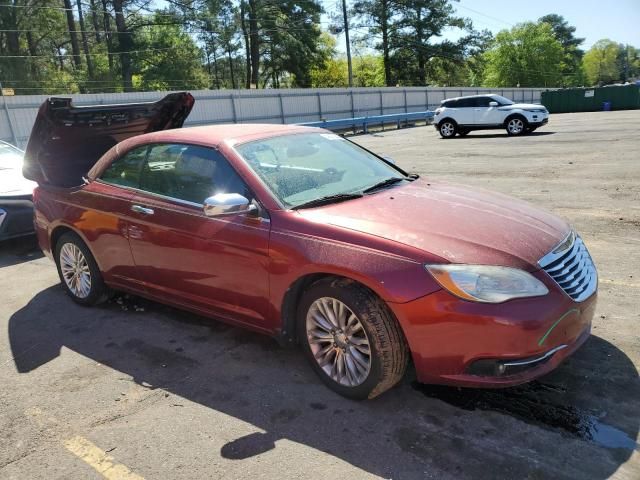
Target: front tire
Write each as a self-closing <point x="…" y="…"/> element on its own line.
<point x="351" y="338"/>
<point x="79" y="272"/>
<point x="448" y="129"/>
<point x="516" y="125"/>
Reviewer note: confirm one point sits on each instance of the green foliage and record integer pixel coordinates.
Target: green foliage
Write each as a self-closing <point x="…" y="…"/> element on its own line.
<point x="172" y="60"/>
<point x="601" y="62"/>
<point x="368" y="71"/>
<point x="194" y="44"/>
<point x="528" y="55"/>
<point x="572" y="73"/>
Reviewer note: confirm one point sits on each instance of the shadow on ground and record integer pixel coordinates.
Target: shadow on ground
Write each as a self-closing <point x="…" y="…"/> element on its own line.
<point x="476" y="134"/>
<point x="19" y="250"/>
<point x="548" y="429"/>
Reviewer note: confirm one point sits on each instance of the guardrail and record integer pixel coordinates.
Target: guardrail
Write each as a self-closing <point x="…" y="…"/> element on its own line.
<point x="364" y="122"/>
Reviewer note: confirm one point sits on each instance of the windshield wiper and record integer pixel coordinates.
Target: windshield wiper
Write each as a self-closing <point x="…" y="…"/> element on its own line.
<point x="383" y="183"/>
<point x="339" y="197"/>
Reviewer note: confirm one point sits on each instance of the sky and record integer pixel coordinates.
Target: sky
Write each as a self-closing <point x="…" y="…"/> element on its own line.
<point x="618" y="20"/>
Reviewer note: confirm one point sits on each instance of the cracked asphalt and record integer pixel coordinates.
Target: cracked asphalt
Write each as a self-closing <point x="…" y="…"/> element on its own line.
<point x="133" y="389"/>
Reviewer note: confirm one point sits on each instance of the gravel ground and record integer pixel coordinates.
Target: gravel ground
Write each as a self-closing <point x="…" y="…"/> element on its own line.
<point x="134" y="389"/>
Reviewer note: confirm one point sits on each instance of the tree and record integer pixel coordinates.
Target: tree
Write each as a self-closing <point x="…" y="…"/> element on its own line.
<point x="601" y="62"/>
<point x="528" y="55"/>
<point x="172" y="60"/>
<point x="572" y="73"/>
<point x="378" y="16"/>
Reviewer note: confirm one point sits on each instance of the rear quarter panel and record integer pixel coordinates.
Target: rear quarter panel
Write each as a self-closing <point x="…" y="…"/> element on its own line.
<point x="97" y="213"/>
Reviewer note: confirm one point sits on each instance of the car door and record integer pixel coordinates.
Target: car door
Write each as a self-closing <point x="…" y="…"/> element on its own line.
<point x="485" y="114"/>
<point x="215" y="265"/>
<point x="105" y="216"/>
<point x="464" y="111"/>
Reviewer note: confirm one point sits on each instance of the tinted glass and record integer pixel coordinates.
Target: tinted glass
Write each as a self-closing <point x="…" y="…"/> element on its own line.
<point x="482" y="101"/>
<point x="189" y="172"/>
<point x="304" y="167"/>
<point x="466" y="102"/>
<point x="125" y="171"/>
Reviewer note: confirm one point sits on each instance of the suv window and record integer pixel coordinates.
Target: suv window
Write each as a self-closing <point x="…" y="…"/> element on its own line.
<point x="465" y="102"/>
<point x="482" y="101"/>
<point x="189" y="172"/>
<point x="125" y="171"/>
<point x="450" y="104"/>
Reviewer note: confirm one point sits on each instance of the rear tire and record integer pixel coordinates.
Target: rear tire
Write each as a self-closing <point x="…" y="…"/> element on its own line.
<point x="516" y="125"/>
<point x="79" y="272"/>
<point x="351" y="338"/>
<point x="448" y="128"/>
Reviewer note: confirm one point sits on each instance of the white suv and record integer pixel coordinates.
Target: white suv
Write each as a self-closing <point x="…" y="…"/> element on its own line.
<point x="481" y="112"/>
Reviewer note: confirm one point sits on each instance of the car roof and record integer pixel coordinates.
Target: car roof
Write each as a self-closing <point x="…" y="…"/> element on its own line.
<point x="214" y="135"/>
<point x="470" y="96"/>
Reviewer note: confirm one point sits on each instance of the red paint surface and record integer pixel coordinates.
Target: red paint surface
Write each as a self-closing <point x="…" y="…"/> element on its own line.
<point x="239" y="268"/>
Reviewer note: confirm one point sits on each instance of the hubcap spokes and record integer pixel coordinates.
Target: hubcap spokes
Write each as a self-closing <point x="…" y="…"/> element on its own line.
<point x="516" y="126"/>
<point x="338" y="341"/>
<point x="447" y="129"/>
<point x="75" y="270"/>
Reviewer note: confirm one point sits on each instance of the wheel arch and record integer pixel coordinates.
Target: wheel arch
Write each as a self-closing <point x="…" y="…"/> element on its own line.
<point x="61" y="229"/>
<point x="292" y="296"/>
<point x="449" y="119"/>
<point x="514" y="115"/>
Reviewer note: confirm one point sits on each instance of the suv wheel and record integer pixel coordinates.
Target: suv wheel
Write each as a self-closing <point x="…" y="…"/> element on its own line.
<point x="79" y="272"/>
<point x="448" y="129"/>
<point x="516" y="126"/>
<point x="351" y="338"/>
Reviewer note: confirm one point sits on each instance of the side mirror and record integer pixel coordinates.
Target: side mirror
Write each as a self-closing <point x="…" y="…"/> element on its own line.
<point x="493" y="104"/>
<point x="227" y="204"/>
<point x="389" y="159"/>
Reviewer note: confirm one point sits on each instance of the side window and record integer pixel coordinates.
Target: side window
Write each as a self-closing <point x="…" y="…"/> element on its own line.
<point x="465" y="103"/>
<point x="189" y="172"/>
<point x="482" y="102"/>
<point x="125" y="171"/>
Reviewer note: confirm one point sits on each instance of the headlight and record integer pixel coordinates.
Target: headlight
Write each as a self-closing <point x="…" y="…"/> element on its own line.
<point x="538" y="110"/>
<point x="486" y="283"/>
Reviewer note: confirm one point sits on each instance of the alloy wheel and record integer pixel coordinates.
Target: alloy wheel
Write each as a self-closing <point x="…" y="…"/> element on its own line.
<point x="447" y="129"/>
<point x="515" y="126"/>
<point x="75" y="270"/>
<point x="338" y="341"/>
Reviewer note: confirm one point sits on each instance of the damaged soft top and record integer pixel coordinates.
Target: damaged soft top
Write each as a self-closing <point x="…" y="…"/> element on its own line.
<point x="67" y="140"/>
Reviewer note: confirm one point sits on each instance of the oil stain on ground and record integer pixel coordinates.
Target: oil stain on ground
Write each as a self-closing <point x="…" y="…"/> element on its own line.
<point x="535" y="403"/>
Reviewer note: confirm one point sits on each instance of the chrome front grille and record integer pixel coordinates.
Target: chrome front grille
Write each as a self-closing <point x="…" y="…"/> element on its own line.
<point x="570" y="265"/>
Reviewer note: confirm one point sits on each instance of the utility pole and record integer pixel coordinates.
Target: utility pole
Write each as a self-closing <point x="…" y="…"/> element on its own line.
<point x="346" y="39"/>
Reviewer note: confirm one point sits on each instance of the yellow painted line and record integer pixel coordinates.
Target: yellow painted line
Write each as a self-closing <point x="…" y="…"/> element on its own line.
<point x="99" y="460"/>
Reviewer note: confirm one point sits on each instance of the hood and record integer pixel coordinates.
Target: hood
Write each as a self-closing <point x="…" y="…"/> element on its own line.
<point x="67" y="140"/>
<point x="523" y="106"/>
<point x="459" y="224"/>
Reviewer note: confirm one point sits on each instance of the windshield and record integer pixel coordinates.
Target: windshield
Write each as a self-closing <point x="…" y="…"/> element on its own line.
<point x="301" y="168"/>
<point x="502" y="100"/>
<point x="10" y="157"/>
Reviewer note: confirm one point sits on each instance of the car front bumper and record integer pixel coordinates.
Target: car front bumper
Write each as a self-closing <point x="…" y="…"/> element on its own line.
<point x="16" y="217"/>
<point x="462" y="343"/>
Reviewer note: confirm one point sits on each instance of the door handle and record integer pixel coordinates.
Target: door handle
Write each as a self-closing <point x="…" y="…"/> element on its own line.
<point x="141" y="209"/>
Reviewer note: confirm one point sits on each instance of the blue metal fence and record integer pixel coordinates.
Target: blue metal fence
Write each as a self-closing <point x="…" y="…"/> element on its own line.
<point x="365" y="122"/>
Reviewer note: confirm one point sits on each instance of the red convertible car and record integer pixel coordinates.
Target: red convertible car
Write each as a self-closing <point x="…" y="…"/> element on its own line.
<point x="301" y="234"/>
